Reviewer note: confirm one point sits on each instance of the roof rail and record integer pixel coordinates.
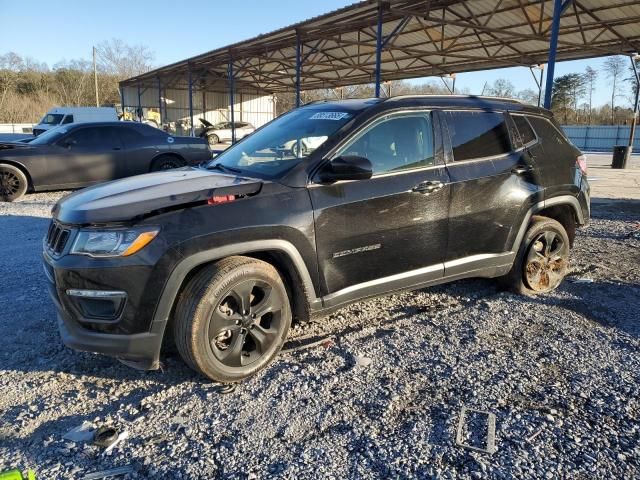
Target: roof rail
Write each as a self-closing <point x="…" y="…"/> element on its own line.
<point x="485" y="97"/>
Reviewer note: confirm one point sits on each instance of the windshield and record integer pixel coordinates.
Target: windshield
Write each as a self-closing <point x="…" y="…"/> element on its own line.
<point x="284" y="142"/>
<point x="52" y="118"/>
<point x="50" y="136"/>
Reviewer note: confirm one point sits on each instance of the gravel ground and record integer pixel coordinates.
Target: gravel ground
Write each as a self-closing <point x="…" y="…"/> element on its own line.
<point x="379" y="399"/>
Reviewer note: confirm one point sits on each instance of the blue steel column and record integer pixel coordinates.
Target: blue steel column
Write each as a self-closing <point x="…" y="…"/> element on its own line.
<point x="378" y="50"/>
<point x="191" y="100"/>
<point x="298" y="68"/>
<point x="139" y="112"/>
<point x="553" y="48"/>
<point x="231" y="100"/>
<point x="160" y="100"/>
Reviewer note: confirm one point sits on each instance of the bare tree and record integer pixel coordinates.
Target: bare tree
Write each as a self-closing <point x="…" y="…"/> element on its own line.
<point x="122" y="60"/>
<point x="614" y="66"/>
<point x="590" y="76"/>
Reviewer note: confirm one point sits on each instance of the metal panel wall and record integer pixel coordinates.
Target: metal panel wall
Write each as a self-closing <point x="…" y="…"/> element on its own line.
<point x="249" y="107"/>
<point x="601" y="138"/>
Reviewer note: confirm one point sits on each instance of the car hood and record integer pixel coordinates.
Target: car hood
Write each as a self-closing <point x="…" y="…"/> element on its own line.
<point x="143" y="195"/>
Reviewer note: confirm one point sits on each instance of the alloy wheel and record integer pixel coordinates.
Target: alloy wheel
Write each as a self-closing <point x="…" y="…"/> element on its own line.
<point x="246" y="324"/>
<point x="9" y="183"/>
<point x="547" y="261"/>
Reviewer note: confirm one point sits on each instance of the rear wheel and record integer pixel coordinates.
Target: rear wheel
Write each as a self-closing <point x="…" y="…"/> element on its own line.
<point x="13" y="183"/>
<point x="232" y="319"/>
<point x="543" y="259"/>
<point x="166" y="162"/>
<point x="213" y="140"/>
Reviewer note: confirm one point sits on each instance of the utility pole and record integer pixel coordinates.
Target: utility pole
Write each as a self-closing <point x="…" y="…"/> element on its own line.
<point x="95" y="76"/>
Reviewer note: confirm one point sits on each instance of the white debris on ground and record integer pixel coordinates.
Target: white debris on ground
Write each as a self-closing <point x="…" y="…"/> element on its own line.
<point x="380" y="399"/>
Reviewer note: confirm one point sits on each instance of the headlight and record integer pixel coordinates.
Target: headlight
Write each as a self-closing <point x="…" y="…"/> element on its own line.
<point x="112" y="243"/>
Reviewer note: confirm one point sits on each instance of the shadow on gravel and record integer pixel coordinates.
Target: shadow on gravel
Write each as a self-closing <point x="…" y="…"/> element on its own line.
<point x="612" y="305"/>
<point x="607" y="209"/>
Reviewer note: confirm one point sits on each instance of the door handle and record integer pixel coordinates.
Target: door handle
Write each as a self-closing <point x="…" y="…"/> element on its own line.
<point x="428" y="187"/>
<point x="116" y="148"/>
<point x="522" y="169"/>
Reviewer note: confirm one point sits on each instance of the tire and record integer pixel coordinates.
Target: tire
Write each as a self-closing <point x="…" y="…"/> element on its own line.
<point x="213" y="140"/>
<point x="294" y="149"/>
<point x="166" y="162"/>
<point x="13" y="183"/>
<point x="214" y="336"/>
<point x="542" y="260"/>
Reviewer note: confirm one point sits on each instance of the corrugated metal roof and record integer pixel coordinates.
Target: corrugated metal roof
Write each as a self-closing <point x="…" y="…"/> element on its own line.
<point x="426" y="37"/>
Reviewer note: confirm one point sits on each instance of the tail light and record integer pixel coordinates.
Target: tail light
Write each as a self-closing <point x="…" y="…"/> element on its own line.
<point x="581" y="162"/>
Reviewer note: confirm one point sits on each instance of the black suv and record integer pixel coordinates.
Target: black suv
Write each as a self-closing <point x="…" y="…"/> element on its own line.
<point x="389" y="195"/>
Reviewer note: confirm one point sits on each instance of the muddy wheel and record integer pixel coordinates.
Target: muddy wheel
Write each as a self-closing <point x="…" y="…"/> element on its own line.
<point x="543" y="259"/>
<point x="232" y="319"/>
<point x="13" y="183"/>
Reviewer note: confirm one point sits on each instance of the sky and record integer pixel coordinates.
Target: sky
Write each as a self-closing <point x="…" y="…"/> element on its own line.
<point x="53" y="31"/>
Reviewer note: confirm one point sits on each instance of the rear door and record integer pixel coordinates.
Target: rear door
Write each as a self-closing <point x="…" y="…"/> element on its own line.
<point x="493" y="184"/>
<point x="85" y="155"/>
<point x="394" y="223"/>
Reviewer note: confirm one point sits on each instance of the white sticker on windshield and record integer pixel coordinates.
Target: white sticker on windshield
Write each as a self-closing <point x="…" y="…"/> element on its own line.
<point x="329" y="116"/>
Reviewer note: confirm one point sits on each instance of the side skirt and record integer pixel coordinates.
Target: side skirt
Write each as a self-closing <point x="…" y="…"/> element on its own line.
<point x="483" y="266"/>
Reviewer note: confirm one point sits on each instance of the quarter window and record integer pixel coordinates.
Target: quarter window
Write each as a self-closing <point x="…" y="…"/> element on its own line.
<point x="477" y="134"/>
<point x="524" y="129"/>
<point x="396" y="143"/>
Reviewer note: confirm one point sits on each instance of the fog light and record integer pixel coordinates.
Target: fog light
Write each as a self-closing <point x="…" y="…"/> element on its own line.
<point x="105" y="305"/>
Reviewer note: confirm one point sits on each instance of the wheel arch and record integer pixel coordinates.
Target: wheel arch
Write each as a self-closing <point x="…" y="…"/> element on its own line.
<point x="23" y="169"/>
<point x="564" y="209"/>
<point x="281" y="254"/>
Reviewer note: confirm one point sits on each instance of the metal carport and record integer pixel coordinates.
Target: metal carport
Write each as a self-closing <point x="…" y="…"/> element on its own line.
<point x="372" y="41"/>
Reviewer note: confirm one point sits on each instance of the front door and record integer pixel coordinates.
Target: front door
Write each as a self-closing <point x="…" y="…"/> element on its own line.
<point x="394" y="224"/>
<point x="86" y="155"/>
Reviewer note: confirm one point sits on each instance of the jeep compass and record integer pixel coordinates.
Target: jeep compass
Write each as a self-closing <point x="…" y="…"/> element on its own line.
<point x="386" y="195"/>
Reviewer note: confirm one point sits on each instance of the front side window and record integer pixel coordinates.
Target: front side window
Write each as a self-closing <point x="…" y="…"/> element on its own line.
<point x="52" y="119"/>
<point x="401" y="142"/>
<point x="282" y="143"/>
<point x="477" y="134"/>
<point x="67" y="119"/>
<point x="94" y="138"/>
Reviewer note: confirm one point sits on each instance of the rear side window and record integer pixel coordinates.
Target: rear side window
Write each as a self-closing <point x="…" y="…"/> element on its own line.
<point x="525" y="131"/>
<point x="129" y="135"/>
<point x="477" y="134"/>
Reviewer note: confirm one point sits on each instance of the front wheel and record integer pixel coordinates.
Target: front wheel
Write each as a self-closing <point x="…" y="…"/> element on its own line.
<point x="13" y="183"/>
<point x="543" y="259"/>
<point x="232" y="318"/>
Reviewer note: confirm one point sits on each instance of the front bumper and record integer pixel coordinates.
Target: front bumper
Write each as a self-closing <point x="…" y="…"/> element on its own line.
<point x="131" y="333"/>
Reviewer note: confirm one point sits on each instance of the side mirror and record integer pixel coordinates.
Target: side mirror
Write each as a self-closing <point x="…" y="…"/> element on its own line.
<point x="68" y="143"/>
<point x="347" y="167"/>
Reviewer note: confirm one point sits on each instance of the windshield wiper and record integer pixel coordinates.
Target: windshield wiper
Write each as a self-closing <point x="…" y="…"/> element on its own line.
<point x="223" y="168"/>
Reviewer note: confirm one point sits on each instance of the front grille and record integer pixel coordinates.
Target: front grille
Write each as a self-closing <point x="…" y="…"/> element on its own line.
<point x="57" y="238"/>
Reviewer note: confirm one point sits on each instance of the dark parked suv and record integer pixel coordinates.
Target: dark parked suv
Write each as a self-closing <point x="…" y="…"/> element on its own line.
<point x="397" y="194"/>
